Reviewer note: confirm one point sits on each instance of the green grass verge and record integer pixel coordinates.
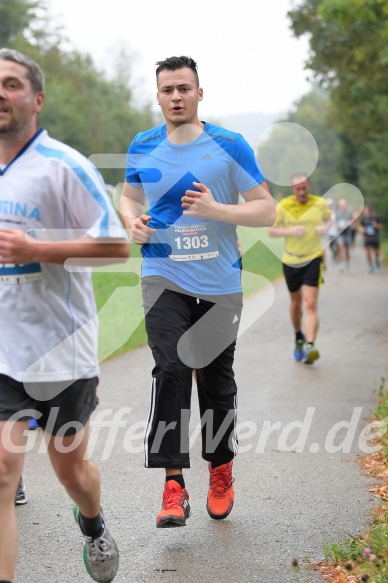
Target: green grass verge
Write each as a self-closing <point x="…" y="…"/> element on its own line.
<point x="367" y="556"/>
<point x="382" y="415"/>
<point x="365" y="559"/>
<point x="384" y="248"/>
<point x="118" y="295"/>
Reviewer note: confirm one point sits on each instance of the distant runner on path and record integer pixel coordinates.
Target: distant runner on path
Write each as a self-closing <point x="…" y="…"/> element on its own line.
<point x="370" y="226"/>
<point x="344" y="218"/>
<point x="303" y="219"/>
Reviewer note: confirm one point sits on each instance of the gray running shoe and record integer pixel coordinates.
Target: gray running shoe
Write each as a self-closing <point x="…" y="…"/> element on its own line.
<point x="101" y="555"/>
<point x="20" y="496"/>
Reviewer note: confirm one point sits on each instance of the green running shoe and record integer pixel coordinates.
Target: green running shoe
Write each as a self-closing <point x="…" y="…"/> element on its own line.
<point x="311" y="354"/>
<point x="101" y="555"/>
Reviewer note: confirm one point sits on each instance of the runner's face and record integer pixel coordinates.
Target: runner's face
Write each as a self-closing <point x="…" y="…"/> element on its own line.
<point x="178" y="96"/>
<point x="19" y="104"/>
<point x="301" y="190"/>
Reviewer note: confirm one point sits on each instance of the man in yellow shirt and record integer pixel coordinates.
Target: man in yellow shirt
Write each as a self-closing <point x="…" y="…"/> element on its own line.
<point x="302" y="219"/>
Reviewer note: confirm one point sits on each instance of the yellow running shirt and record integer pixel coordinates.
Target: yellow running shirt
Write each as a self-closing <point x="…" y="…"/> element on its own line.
<point x="290" y="213"/>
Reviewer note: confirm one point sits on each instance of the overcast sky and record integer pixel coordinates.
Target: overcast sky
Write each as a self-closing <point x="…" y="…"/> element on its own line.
<point x="247" y="59"/>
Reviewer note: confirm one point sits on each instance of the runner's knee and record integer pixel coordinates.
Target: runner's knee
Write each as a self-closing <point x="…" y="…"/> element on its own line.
<point x="73" y="477"/>
<point x="311" y="304"/>
<point x="10" y="472"/>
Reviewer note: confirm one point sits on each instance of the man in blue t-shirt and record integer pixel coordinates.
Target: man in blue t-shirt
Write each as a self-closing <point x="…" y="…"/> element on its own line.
<point x="181" y="203"/>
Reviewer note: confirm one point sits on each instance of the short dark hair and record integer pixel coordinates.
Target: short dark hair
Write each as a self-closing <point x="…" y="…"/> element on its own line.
<point x="174" y="63"/>
<point x="34" y="72"/>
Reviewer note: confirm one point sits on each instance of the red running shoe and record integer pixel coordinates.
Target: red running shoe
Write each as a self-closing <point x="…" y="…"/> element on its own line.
<point x="175" y="506"/>
<point x="220" y="496"/>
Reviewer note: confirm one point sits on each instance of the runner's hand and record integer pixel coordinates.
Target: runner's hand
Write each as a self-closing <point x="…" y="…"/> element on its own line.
<point x="200" y="204"/>
<point x="321" y="229"/>
<point x="297" y="231"/>
<point x="139" y="232"/>
<point x="17" y="247"/>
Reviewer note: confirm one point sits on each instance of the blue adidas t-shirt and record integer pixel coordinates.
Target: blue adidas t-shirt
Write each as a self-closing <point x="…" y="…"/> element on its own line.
<point x="199" y="255"/>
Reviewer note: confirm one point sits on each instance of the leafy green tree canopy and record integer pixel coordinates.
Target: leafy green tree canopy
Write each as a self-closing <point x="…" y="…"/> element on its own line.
<point x="84" y="107"/>
<point x="349" y="55"/>
<point x="283" y="153"/>
<point x="16" y="16"/>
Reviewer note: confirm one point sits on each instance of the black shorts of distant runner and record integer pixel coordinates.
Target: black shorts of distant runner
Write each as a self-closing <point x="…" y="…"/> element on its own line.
<point x="372" y="241"/>
<point x="304" y="274"/>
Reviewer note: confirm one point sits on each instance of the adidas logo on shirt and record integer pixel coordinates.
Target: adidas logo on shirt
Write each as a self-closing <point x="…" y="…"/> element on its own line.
<point x="207" y="157"/>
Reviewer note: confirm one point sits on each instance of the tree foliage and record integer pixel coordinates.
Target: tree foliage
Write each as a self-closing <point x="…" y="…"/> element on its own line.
<point x="83" y="107"/>
<point x="349" y="58"/>
<point x="16" y="17"/>
<point x="282" y="147"/>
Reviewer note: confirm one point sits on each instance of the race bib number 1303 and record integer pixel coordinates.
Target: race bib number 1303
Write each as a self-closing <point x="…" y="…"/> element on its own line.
<point x="193" y="242"/>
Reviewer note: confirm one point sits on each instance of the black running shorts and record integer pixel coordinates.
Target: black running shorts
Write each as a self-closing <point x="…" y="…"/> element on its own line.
<point x="64" y="414"/>
<point x="304" y="274"/>
<point x="372" y="241"/>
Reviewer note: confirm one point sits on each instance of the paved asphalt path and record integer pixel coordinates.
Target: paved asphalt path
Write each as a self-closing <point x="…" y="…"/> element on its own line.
<point x="290" y="498"/>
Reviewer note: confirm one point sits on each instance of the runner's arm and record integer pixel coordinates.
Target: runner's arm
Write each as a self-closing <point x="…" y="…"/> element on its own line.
<point x="258" y="210"/>
<point x="296" y="231"/>
<point x="132" y="211"/>
<point x="20" y="248"/>
<point x="378" y="225"/>
<point x="322" y="228"/>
